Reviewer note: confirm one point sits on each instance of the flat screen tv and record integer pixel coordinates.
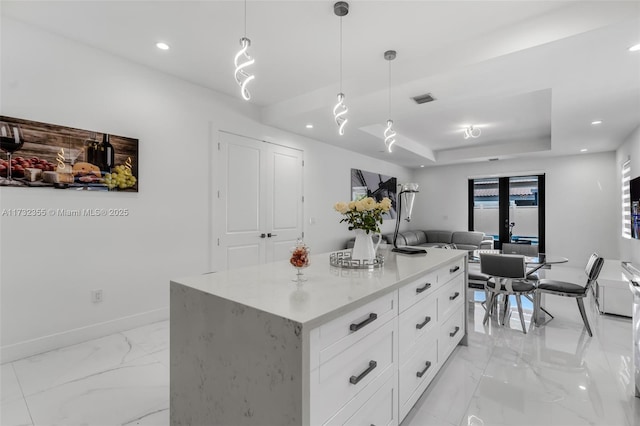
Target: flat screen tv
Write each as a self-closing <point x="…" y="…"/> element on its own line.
<point x="634" y="187"/>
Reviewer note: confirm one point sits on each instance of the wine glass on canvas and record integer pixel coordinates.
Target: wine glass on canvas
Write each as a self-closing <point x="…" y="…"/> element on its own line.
<point x="11" y="140"/>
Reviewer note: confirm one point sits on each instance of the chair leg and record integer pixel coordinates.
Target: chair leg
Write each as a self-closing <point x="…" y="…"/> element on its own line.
<point x="505" y="309"/>
<point x="519" y="302"/>
<point x="584" y="315"/>
<point x="532" y="299"/>
<point x="492" y="296"/>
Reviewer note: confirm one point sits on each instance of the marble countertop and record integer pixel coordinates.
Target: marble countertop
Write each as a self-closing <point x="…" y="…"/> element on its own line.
<point x="328" y="292"/>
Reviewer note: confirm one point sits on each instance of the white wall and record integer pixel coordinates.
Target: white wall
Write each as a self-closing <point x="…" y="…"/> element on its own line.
<point x="581" y="200"/>
<point x="49" y="265"/>
<point x="630" y="149"/>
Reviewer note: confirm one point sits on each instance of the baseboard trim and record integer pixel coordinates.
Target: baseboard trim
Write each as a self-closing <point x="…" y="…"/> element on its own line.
<point x="31" y="347"/>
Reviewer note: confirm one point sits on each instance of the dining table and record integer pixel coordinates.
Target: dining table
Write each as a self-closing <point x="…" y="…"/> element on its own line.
<point x="534" y="264"/>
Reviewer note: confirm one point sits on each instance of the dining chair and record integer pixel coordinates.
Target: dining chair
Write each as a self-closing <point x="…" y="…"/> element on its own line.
<point x="508" y="277"/>
<point x="567" y="289"/>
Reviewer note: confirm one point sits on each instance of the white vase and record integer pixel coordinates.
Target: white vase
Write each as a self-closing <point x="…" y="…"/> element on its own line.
<point x="363" y="248"/>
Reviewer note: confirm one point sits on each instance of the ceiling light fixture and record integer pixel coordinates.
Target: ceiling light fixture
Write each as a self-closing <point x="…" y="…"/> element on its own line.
<point x="309" y="126"/>
<point x="389" y="133"/>
<point x="584" y="150"/>
<point x="635" y="48"/>
<point x="341" y="9"/>
<point x="162" y="46"/>
<point x="241" y="75"/>
<point x="472" y="132"/>
<point x="595" y="123"/>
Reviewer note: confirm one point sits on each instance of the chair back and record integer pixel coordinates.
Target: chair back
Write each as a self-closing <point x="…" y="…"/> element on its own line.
<point x="524" y="249"/>
<point x="592" y="270"/>
<point x="503" y="265"/>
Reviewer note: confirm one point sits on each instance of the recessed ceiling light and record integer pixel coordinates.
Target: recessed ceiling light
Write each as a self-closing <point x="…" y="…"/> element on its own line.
<point x="584" y="150"/>
<point x="595" y="123"/>
<point x="634" y="48"/>
<point x="421" y="165"/>
<point x="309" y="126"/>
<point x="162" y="46"/>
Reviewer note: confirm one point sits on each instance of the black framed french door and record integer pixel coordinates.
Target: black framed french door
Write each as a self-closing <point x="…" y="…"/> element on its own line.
<point x="510" y="208"/>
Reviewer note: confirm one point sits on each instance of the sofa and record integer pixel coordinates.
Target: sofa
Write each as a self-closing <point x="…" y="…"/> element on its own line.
<point x="462" y="240"/>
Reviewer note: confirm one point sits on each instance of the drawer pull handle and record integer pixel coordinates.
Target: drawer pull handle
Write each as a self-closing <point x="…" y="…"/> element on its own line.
<point x="423" y="288"/>
<point x="426" y="321"/>
<point x="356" y="327"/>
<point x="454" y="269"/>
<point x="354" y="380"/>
<point x="421" y="373"/>
<point x="453" y="333"/>
<point x="456" y="294"/>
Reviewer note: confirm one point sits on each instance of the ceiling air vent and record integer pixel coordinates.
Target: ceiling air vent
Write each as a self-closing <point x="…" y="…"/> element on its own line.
<point x="493" y="159"/>
<point x="423" y="99"/>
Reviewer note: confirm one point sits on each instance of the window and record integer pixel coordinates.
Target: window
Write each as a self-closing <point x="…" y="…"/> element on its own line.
<point x="626" y="199"/>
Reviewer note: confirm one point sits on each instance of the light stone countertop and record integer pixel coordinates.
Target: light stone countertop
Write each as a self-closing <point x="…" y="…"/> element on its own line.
<point x="328" y="292"/>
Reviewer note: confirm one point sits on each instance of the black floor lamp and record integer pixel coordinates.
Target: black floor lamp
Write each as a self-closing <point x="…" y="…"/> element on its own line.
<point x="408" y="191"/>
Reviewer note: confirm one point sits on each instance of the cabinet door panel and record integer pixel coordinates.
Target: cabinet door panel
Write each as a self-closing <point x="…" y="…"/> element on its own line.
<point x="339" y="380"/>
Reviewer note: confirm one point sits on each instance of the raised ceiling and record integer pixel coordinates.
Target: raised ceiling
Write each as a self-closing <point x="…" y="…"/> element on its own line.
<point x="533" y="75"/>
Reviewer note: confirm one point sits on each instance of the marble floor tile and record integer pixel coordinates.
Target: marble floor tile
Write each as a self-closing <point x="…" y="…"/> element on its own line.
<point x="162" y="356"/>
<point x="9" y="386"/>
<point x="555" y="375"/>
<point x="14" y="412"/>
<point x="136" y="392"/>
<point x="50" y="369"/>
<point x="152" y="338"/>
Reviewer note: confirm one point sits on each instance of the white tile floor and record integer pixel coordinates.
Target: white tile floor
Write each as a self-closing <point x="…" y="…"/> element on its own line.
<point x="554" y="375"/>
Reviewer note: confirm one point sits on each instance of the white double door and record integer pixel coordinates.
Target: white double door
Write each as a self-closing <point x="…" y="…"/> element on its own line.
<point x="260" y="201"/>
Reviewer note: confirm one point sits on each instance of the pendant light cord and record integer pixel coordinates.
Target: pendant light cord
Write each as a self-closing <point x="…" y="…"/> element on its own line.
<point x="245" y="18"/>
<point x="341" y="54"/>
<point x="389" y="89"/>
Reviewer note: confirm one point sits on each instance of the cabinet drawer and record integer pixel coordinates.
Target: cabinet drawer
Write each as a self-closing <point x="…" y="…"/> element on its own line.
<point x="450" y="297"/>
<point x="451" y="333"/>
<point x="337" y="381"/>
<point x="381" y="409"/>
<point x="336" y="336"/>
<point x="417" y="290"/>
<point x="418" y="371"/>
<point x="414" y="323"/>
<point x="451" y="271"/>
<point x="378" y="407"/>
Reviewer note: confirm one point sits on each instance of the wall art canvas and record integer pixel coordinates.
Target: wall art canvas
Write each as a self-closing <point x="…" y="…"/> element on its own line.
<point x="42" y="155"/>
<point x="375" y="185"/>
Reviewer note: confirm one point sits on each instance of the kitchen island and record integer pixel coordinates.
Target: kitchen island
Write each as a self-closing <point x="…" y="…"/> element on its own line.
<point x="252" y="347"/>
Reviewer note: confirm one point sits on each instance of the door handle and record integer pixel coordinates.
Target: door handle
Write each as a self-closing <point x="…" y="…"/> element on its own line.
<point x="355" y="379"/>
<point x="271" y="235"/>
<point x="356" y="327"/>
<point x="421" y="373"/>
<point x="422" y="324"/>
<point x="423" y="288"/>
<point x="263" y="235"/>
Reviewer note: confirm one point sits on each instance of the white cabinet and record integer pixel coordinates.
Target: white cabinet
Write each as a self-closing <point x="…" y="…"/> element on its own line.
<point x="343" y="349"/>
<point x="612" y="290"/>
<point x="431" y="323"/>
<point x="370" y="365"/>
<point x="357" y="369"/>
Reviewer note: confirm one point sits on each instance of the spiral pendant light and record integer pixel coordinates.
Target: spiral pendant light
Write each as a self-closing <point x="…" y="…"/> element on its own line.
<point x="472" y="132"/>
<point x="340" y="110"/>
<point x="242" y="60"/>
<point x="389" y="133"/>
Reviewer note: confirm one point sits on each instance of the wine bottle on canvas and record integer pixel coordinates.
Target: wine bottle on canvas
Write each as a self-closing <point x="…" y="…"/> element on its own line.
<point x="106" y="155"/>
<point x="92" y="150"/>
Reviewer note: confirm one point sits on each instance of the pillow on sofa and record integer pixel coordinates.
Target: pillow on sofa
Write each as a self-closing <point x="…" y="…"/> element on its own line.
<point x="439" y="236"/>
<point x="411" y="238"/>
<point x="467" y="240"/>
